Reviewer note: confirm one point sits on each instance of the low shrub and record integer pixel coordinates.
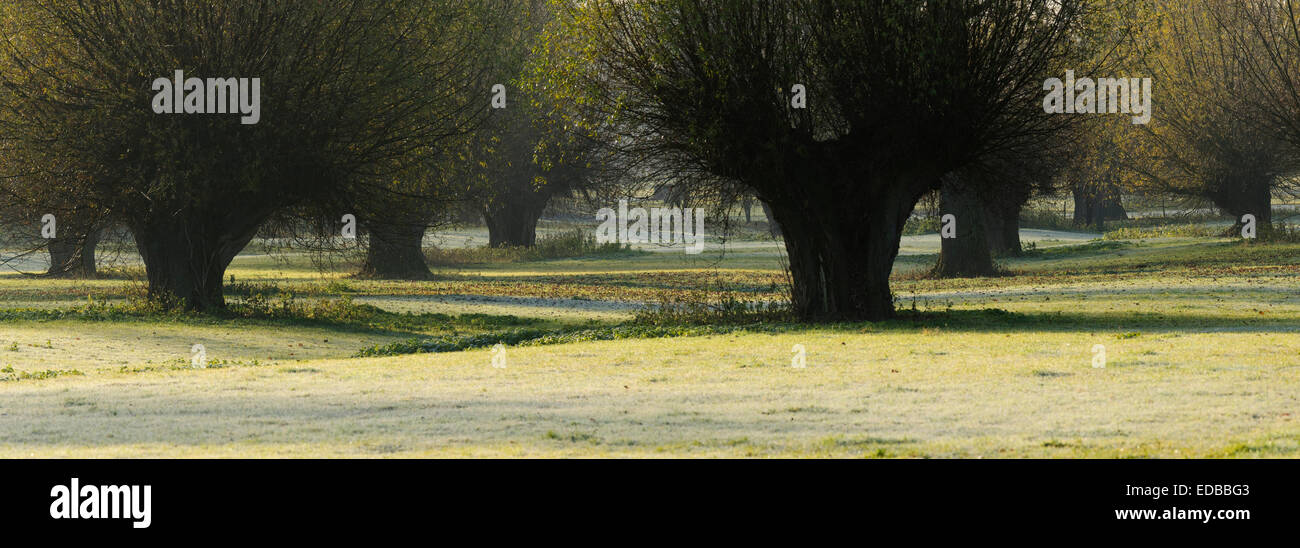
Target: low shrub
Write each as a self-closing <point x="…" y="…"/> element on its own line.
<point x="1162" y="231"/>
<point x="729" y="311"/>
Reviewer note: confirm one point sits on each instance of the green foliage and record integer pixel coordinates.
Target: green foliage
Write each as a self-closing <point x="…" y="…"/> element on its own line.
<point x="182" y="364"/>
<point x="1162" y="231"/>
<point x="279" y="308"/>
<point x="1279" y="233"/>
<point x="251" y="289"/>
<point x="727" y="311"/>
<point x="8" y="374"/>
<point x="916" y="226"/>
<point x="285" y="306"/>
<point x="1045" y="219"/>
<point x="690" y="326"/>
<point x="358" y="95"/>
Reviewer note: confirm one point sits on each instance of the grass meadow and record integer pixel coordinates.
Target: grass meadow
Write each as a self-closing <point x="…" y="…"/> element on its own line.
<point x="1201" y="336"/>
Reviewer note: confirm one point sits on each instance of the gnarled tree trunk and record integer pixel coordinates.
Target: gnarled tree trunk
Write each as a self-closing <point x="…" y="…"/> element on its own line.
<point x="186" y="255"/>
<point x="1246" y="195"/>
<point x="513" y="223"/>
<point x="1093" y="208"/>
<point x="841" y="255"/>
<point x="773" y="227"/>
<point x="1002" y="219"/>
<point x="1003" y="228"/>
<point x="1112" y="209"/>
<point x="396" y="252"/>
<point x="74" y="256"/>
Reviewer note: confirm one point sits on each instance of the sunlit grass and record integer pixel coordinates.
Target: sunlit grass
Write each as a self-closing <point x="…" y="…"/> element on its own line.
<point x="1202" y="339"/>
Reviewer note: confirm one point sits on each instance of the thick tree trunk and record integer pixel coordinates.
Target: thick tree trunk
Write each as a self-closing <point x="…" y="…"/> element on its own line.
<point x="396" y="252"/>
<point x="841" y="254"/>
<point x="513" y="224"/>
<point x="1002" y="218"/>
<point x="1088" y="209"/>
<point x="1003" y="222"/>
<point x="967" y="255"/>
<point x="1085" y="208"/>
<point x="1252" y="196"/>
<point x="74" y="256"/>
<point x="185" y="257"/>
<point x="1112" y="209"/>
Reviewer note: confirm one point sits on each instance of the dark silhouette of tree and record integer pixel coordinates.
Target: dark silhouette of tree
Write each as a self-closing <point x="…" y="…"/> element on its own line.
<point x="985" y="199"/>
<point x="899" y="93"/>
<point x="524" y="167"/>
<point x="28" y="200"/>
<point x="531" y="152"/>
<point x="1264" y="39"/>
<point x="353" y="92"/>
<point x="987" y="195"/>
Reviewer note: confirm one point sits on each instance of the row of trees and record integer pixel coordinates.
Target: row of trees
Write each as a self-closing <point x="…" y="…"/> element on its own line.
<point x="383" y="110"/>
<point x="1218" y="139"/>
<point x="908" y="98"/>
<point x="375" y="109"/>
<point x="902" y="96"/>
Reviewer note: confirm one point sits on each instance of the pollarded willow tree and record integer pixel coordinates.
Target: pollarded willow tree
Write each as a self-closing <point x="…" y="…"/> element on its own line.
<point x="985" y="199"/>
<point x="1212" y="140"/>
<point x="898" y="93"/>
<point x="33" y="208"/>
<point x="531" y="151"/>
<point x="1264" y="41"/>
<point x="518" y="178"/>
<point x="34" y="202"/>
<point x="396" y="213"/>
<point x="986" y="195"/>
<point x="352" y="91"/>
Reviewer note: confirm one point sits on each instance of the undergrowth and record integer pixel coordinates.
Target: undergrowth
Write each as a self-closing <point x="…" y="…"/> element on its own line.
<point x="563" y="245"/>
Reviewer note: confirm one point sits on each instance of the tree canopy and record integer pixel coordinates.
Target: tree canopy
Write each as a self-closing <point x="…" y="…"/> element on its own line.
<point x="352" y="92"/>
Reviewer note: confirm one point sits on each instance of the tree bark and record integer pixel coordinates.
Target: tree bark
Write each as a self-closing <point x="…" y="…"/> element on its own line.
<point x="841" y="257"/>
<point x="1246" y="195"/>
<point x="74" y="256"/>
<point x="1089" y="208"/>
<point x="1093" y="208"/>
<point x="186" y="256"/>
<point x="396" y="252"/>
<point x="1003" y="223"/>
<point x="968" y="254"/>
<point x="1112" y="209"/>
<point x="513" y="224"/>
<point x="1002" y="218"/>
<point x="1084" y="207"/>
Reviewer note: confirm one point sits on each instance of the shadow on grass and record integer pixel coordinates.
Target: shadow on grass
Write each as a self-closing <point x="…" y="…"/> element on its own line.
<point x="998" y="320"/>
<point x="354" y="318"/>
<point x="995" y="320"/>
<point x="1240" y="295"/>
<point x="1111" y="257"/>
<point x="989" y="320"/>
